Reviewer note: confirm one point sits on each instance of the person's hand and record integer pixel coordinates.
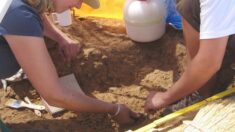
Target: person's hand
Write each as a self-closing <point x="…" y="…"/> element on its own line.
<point x="69" y="48"/>
<point x="155" y="100"/>
<point x="125" y="116"/>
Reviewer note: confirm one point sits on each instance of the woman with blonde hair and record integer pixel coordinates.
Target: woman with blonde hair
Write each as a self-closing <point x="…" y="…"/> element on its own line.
<point x="22" y="45"/>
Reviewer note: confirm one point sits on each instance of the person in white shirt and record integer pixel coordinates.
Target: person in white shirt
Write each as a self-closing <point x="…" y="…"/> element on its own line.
<point x="209" y="28"/>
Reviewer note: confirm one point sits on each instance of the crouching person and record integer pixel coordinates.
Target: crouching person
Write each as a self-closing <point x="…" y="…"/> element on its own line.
<point x="22" y="45"/>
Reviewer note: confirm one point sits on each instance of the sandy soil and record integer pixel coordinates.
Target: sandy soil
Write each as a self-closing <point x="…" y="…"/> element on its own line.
<point x="112" y="68"/>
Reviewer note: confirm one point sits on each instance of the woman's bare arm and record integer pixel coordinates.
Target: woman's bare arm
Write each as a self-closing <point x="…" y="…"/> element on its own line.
<point x="32" y="55"/>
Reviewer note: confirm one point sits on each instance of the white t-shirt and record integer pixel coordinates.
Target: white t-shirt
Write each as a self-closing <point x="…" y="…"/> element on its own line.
<point x="217" y="18"/>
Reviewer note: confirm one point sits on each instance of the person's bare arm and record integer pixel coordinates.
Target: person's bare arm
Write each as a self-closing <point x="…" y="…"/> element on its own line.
<point x="68" y="47"/>
<point x="205" y="64"/>
<point x="50" y="30"/>
<point x="33" y="56"/>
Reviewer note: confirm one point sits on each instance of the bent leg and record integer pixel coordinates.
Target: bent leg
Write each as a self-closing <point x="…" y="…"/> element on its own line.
<point x="8" y="64"/>
<point x="227" y="71"/>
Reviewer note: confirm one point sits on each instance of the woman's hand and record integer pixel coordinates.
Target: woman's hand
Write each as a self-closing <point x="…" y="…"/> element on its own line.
<point x="69" y="48"/>
<point x="125" y="116"/>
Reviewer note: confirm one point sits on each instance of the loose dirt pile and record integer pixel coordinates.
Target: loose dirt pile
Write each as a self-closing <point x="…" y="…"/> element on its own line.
<point x="110" y="67"/>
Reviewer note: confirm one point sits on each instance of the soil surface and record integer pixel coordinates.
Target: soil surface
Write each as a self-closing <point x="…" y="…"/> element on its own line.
<point x="111" y="67"/>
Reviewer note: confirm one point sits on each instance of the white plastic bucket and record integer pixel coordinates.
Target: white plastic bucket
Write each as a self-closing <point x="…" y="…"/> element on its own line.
<point x="145" y="19"/>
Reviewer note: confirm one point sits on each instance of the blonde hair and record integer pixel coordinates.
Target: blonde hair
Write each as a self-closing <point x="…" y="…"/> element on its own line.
<point x="41" y="5"/>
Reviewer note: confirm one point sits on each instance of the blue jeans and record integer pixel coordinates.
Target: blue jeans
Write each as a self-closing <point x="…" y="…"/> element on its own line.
<point x="3" y="127"/>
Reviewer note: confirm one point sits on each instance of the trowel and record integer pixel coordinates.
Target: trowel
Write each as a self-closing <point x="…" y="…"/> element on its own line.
<point x="13" y="103"/>
<point x="37" y="112"/>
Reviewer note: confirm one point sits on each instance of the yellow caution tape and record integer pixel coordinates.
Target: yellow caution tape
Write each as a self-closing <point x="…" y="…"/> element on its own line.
<point x="185" y="110"/>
